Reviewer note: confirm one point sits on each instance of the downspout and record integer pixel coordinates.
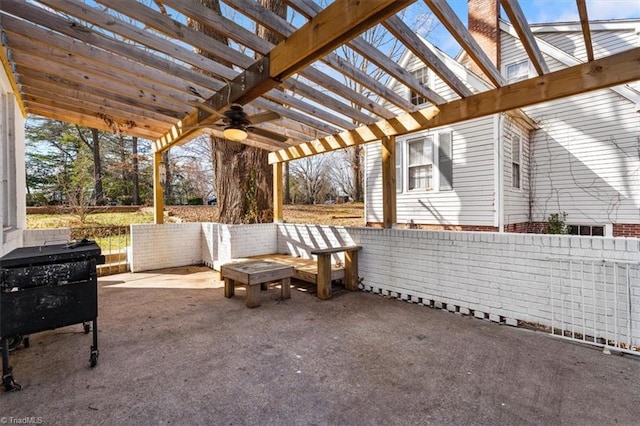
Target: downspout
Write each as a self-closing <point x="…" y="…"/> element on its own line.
<point x="499" y="175"/>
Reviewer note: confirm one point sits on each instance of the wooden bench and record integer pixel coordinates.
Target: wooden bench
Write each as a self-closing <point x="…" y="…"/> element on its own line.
<point x="255" y="275"/>
<point x="309" y="270"/>
<point x="323" y="280"/>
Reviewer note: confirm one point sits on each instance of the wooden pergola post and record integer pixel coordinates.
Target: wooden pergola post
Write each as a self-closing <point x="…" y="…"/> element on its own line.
<point x="277" y="193"/>
<point x="158" y="193"/>
<point x="389" y="181"/>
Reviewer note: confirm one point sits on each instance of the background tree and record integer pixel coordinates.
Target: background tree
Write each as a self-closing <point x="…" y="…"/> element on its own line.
<point x="244" y="179"/>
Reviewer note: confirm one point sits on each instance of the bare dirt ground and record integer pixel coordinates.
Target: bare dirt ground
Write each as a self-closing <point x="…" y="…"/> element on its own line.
<point x="347" y="214"/>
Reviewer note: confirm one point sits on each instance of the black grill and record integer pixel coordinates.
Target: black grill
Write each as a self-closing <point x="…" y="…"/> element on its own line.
<point x="47" y="287"/>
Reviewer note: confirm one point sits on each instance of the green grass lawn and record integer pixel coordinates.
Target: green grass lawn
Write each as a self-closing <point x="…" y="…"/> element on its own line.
<point x="39" y="221"/>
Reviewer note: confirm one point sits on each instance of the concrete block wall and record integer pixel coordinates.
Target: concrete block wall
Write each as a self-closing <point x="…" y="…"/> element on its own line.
<point x="43" y="237"/>
<point x="209" y="242"/>
<point x="499" y="277"/>
<point x="299" y="240"/>
<point x="165" y="246"/>
<point x="227" y="242"/>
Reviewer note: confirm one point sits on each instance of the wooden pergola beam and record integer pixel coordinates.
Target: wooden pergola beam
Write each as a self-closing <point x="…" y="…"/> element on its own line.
<point x="450" y="20"/>
<point x="336" y="24"/>
<point x="586" y="31"/>
<point x="613" y="70"/>
<point x="519" y="22"/>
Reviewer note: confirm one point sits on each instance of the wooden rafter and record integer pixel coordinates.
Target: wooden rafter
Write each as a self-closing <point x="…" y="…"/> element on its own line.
<point x="602" y="73"/>
<point x="519" y="22"/>
<point x="450" y="20"/>
<point x="313" y="40"/>
<point x="309" y="9"/>
<point x="586" y="31"/>
<point x="398" y="28"/>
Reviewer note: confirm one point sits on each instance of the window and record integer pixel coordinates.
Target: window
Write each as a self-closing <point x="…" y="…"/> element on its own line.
<point x="445" y="161"/>
<point x="422" y="75"/>
<point x="516" y="157"/>
<point x="420" y="163"/>
<point x="517" y="71"/>
<point x="8" y="157"/>
<point x="398" y="166"/>
<point x="425" y="163"/>
<point x="595" y="231"/>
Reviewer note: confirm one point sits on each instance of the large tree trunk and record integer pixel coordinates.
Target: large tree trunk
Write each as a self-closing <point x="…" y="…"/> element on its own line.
<point x="97" y="167"/>
<point x="358" y="173"/>
<point x="244" y="179"/>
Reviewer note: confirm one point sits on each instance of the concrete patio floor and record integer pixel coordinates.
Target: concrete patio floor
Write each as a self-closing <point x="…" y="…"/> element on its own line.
<point x="173" y="350"/>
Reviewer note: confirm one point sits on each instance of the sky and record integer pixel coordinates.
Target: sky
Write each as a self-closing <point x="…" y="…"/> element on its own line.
<point x="544" y="11"/>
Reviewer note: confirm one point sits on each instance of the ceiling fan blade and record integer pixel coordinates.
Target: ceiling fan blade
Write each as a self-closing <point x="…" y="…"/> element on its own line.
<point x="206" y="108"/>
<point x="261" y="117"/>
<point x="268" y="134"/>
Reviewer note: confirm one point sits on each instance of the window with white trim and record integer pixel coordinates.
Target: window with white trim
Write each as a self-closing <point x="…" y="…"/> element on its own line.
<point x="516" y="161"/>
<point x="420" y="164"/>
<point x="517" y="71"/>
<point x="425" y="163"/>
<point x="399" y="166"/>
<point x="422" y="74"/>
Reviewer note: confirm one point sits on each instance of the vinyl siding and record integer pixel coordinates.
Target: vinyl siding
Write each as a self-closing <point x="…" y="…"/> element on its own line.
<point x="516" y="200"/>
<point x="605" y="42"/>
<point x="585" y="159"/>
<point x="471" y="202"/>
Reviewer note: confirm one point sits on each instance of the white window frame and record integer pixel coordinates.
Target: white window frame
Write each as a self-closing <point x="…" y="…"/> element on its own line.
<point x="519" y="162"/>
<point x="517" y="63"/>
<point x="402" y="150"/>
<point x="428" y="83"/>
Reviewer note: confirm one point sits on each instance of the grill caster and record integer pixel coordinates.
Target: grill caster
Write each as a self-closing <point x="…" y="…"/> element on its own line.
<point x="26" y="342"/>
<point x="87" y="327"/>
<point x="93" y="359"/>
<point x="9" y="384"/>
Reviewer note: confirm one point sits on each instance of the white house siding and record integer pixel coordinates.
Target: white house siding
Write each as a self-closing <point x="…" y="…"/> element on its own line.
<point x="585" y="159"/>
<point x="471" y="202"/>
<point x="516" y="201"/>
<point x="605" y="42"/>
<point x="12" y="168"/>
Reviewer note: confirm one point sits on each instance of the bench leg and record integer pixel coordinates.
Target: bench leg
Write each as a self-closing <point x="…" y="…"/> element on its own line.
<point x="253" y="296"/>
<point x="324" y="276"/>
<point x="351" y="270"/>
<point x="229" y="287"/>
<point x="286" y="288"/>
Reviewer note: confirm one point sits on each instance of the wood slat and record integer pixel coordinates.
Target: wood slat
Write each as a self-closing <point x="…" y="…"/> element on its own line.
<point x="450" y="20"/>
<point x="613" y="70"/>
<point x="398" y="28"/>
<point x="309" y="9"/>
<point x="586" y="31"/>
<point x="519" y="22"/>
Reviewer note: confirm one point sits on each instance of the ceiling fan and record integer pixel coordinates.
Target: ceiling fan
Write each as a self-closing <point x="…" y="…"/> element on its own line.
<point x="237" y="123"/>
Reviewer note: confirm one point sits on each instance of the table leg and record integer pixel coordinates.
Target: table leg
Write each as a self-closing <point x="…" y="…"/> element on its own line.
<point x="351" y="270"/>
<point x="253" y="296"/>
<point x="324" y="276"/>
<point x="286" y="288"/>
<point x="229" y="287"/>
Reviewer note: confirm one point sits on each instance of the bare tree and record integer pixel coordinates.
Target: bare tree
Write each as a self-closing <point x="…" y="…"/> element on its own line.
<point x="312" y="179"/>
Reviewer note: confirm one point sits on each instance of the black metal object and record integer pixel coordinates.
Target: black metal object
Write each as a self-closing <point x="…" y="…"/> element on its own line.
<point x="47" y="287"/>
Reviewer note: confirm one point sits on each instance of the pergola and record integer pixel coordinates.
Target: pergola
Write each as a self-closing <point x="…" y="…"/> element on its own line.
<point x="133" y="67"/>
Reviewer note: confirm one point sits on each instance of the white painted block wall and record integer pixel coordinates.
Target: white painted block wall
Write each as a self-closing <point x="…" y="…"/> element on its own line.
<point x="299" y="240"/>
<point x="165" y="246"/>
<point x="43" y="237"/>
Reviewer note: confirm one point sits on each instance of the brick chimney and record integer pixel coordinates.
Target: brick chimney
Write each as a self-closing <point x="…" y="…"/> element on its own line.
<point x="484" y="26"/>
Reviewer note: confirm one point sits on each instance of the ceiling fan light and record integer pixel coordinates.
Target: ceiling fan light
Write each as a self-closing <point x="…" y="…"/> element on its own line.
<point x="235" y="134"/>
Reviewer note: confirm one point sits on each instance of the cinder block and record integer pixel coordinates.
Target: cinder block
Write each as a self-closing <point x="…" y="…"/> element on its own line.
<point x="465" y="311"/>
<point x="437" y="304"/>
<point x="451" y="307"/>
<point x="479" y="314"/>
<point x="511" y="321"/>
